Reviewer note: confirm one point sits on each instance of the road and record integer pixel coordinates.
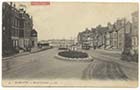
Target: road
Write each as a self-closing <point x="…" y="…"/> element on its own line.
<point x="107" y="65"/>
<point x="43" y="65"/>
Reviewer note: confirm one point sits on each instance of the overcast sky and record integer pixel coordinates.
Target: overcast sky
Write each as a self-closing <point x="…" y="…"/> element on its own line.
<point x="65" y="20"/>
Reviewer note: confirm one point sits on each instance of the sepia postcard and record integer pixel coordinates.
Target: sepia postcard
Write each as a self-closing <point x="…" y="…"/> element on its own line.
<point x="70" y="44"/>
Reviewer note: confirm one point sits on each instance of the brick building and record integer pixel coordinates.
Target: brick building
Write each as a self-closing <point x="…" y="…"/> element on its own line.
<point x="16" y="29"/>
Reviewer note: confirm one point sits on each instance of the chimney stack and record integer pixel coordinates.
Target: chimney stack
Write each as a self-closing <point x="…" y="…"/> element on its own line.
<point x="11" y="3"/>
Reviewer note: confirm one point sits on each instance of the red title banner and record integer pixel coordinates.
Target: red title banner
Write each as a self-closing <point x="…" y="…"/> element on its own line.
<point x="40" y="3"/>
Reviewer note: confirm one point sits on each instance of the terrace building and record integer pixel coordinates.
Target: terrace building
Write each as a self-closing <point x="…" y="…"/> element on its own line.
<point x="16" y="29"/>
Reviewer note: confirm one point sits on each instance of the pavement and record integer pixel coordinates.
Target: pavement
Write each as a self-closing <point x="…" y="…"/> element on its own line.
<point x="33" y="50"/>
<point x="44" y="65"/>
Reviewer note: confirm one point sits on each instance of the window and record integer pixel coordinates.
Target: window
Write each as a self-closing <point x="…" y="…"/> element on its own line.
<point x="115" y="43"/>
<point x="115" y="35"/>
<point x="120" y="36"/>
<point x="16" y="34"/>
<point x="3" y="28"/>
<point x="21" y="24"/>
<point x="133" y="42"/>
<point x="3" y="6"/>
<point x="21" y="33"/>
<point x="120" y="44"/>
<point x="136" y="41"/>
<point x="12" y="32"/>
<point x="13" y="43"/>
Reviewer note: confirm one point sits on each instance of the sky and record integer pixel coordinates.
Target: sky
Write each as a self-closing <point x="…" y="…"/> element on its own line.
<point x="65" y="20"/>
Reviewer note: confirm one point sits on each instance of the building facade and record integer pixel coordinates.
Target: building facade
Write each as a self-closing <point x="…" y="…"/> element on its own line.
<point x="103" y="36"/>
<point x="112" y="36"/>
<point x="60" y="42"/>
<point x="135" y="28"/>
<point x="26" y="26"/>
<point x="117" y="32"/>
<point x="34" y="39"/>
<point x="7" y="44"/>
<point x="110" y="31"/>
<point x="86" y="38"/>
<point x="95" y="37"/>
<point x="121" y="35"/>
<point x="16" y="29"/>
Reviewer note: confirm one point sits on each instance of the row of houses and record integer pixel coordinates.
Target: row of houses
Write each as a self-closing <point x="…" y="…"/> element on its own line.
<point x="60" y="42"/>
<point x="17" y="29"/>
<point x="119" y="35"/>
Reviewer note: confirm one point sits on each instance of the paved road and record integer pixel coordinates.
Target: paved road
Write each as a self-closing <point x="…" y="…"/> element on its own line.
<point x="43" y="65"/>
<point x="107" y="65"/>
<point x="104" y="70"/>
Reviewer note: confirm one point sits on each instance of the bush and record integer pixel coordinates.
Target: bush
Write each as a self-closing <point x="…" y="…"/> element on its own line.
<point x="128" y="56"/>
<point x="135" y="57"/>
<point x="62" y="48"/>
<point x="73" y="54"/>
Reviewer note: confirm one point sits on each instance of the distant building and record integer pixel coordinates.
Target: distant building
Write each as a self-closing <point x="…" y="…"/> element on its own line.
<point x="95" y="37"/>
<point x="85" y="37"/>
<point x="60" y="42"/>
<point x="123" y="28"/>
<point x="110" y="32"/>
<point x="117" y="33"/>
<point x="112" y="36"/>
<point x="103" y="36"/>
